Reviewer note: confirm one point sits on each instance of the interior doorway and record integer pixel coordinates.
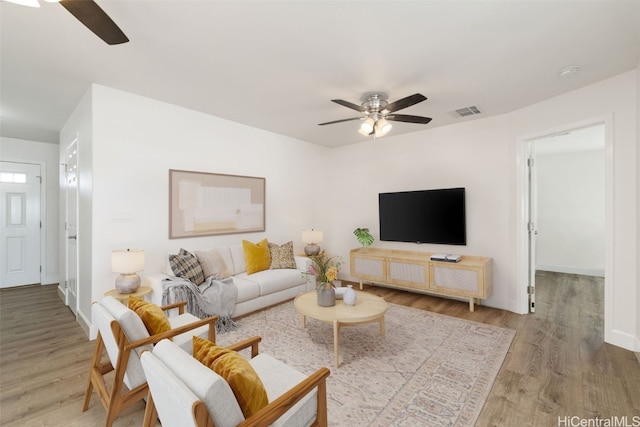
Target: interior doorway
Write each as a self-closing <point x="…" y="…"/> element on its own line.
<point x="567" y="186"/>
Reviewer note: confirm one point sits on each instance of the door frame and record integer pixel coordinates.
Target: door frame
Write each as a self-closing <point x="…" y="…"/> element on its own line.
<point x="523" y="142"/>
<point x="43" y="210"/>
<point x="73" y="305"/>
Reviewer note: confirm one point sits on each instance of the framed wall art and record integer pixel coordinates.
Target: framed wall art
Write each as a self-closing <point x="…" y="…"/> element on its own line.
<point x="207" y="204"/>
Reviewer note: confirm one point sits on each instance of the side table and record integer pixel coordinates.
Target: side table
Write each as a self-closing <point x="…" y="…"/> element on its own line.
<point x="124" y="298"/>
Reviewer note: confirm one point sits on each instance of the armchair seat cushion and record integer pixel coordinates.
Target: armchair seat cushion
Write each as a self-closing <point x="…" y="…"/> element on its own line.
<point x="278" y="378"/>
<point x="184" y="340"/>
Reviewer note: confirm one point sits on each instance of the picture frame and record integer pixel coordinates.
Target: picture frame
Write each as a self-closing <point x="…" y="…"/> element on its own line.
<point x="209" y="204"/>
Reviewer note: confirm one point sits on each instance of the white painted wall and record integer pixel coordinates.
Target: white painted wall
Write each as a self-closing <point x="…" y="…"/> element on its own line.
<point x="137" y="140"/>
<point x="612" y="101"/>
<point x="46" y="155"/>
<point x="80" y="126"/>
<point x="473" y="155"/>
<point x="485" y="156"/>
<point x="571" y="211"/>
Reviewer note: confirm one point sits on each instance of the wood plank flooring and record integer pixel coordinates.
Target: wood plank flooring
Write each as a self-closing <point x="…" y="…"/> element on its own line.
<point x="558" y="366"/>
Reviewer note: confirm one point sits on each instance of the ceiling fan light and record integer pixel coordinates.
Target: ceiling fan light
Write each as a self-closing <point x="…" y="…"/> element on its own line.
<point x="367" y="126"/>
<point x="382" y="127"/>
<point x="30" y="3"/>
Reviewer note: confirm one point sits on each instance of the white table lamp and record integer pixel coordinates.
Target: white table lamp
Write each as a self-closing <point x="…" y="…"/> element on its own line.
<point x="312" y="237"/>
<point x="127" y="262"/>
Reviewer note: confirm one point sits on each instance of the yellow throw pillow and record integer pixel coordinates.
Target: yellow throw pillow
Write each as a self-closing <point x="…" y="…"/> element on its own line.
<point x="236" y="370"/>
<point x="256" y="255"/>
<point x="153" y="317"/>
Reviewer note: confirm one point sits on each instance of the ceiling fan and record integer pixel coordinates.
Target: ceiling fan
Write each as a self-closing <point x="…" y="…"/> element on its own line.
<point x="378" y="112"/>
<point x="91" y="15"/>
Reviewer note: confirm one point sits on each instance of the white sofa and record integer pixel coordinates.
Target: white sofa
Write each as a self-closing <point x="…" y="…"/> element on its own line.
<point x="256" y="290"/>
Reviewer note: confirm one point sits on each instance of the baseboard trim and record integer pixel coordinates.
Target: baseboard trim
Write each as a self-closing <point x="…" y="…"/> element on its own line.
<point x="623" y="339"/>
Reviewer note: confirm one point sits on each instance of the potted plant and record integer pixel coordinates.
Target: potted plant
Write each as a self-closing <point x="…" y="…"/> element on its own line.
<point x="364" y="237"/>
<point x="325" y="269"/>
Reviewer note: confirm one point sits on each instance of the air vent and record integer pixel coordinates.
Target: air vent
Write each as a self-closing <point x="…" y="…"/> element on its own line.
<point x="468" y="111"/>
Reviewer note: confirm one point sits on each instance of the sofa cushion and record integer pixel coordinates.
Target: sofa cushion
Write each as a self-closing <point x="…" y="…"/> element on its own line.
<point x="247" y="289"/>
<point x="282" y="256"/>
<point x="213" y="264"/>
<point x="237" y="257"/>
<point x="256" y="255"/>
<point x="186" y="265"/>
<point x="237" y="371"/>
<point x="153" y="317"/>
<point x="271" y="281"/>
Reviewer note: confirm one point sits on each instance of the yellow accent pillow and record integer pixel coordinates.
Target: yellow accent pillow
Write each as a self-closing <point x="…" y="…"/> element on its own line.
<point x="256" y="255"/>
<point x="236" y="370"/>
<point x="153" y="317"/>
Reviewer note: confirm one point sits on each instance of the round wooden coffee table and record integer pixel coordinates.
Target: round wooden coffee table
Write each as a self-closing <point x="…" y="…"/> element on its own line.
<point x="369" y="308"/>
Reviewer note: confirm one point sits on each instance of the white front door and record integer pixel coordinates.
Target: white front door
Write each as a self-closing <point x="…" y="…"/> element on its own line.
<point x="71" y="226"/>
<point x="20" y="219"/>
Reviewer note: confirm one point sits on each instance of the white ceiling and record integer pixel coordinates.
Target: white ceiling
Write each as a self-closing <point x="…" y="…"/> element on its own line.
<point x="276" y="65"/>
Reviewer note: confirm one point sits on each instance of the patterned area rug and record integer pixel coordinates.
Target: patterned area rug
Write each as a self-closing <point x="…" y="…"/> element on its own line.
<point x="428" y="370"/>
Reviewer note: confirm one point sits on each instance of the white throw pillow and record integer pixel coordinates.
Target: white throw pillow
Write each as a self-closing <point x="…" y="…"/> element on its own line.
<point x="213" y="264"/>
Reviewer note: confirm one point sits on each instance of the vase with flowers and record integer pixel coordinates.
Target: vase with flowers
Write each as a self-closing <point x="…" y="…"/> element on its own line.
<point x="325" y="269"/>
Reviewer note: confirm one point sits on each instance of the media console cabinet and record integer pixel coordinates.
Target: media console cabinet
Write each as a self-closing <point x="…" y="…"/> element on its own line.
<point x="470" y="278"/>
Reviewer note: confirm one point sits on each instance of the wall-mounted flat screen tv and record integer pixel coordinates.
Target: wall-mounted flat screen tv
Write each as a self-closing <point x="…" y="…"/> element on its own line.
<point x="426" y="216"/>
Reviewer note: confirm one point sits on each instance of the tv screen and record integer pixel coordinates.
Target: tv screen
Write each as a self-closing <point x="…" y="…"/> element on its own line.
<point x="427" y="216"/>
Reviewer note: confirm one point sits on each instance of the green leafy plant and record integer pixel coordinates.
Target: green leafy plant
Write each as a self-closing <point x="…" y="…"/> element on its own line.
<point x="364" y="237"/>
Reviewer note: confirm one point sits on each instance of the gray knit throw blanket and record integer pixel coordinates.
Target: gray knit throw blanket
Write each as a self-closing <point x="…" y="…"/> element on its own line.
<point x="210" y="298"/>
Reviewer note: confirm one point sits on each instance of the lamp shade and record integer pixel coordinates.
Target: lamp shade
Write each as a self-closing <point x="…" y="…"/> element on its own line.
<point x="382" y="127"/>
<point x="367" y="126"/>
<point x="312" y="236"/>
<point x="127" y="261"/>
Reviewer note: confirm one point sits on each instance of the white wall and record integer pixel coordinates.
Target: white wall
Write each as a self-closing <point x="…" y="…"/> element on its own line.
<point x="613" y="102"/>
<point x="637" y="336"/>
<point x="137" y="140"/>
<point x="486" y="157"/>
<point x="47" y="156"/>
<point x="473" y="155"/>
<point x="79" y="127"/>
<point x="571" y="211"/>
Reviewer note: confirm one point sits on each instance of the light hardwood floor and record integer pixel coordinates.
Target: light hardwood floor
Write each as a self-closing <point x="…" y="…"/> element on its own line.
<point x="558" y="366"/>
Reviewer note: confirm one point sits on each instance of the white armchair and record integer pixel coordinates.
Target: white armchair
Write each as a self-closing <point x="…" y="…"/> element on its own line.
<point x="123" y="335"/>
<point x="184" y="392"/>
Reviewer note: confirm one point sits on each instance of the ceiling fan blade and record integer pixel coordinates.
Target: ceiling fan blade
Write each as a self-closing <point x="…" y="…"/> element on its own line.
<point x="404" y="103"/>
<point x="349" y="105"/>
<point x="94" y="18"/>
<point x="408" y="119"/>
<point x="340" y="121"/>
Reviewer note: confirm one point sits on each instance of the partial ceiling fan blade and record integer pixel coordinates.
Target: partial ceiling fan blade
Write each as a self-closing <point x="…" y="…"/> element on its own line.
<point x="408" y="119"/>
<point x="349" y="105"/>
<point x="94" y="18"/>
<point x="404" y="103"/>
<point x="340" y="121"/>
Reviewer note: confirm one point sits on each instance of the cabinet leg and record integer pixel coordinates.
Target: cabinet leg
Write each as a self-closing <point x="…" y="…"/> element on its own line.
<point x="471" y="300"/>
<point x="360" y="284"/>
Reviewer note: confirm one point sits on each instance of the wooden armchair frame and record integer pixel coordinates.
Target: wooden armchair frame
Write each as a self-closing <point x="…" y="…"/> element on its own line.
<point x="270" y="413"/>
<point x="118" y="398"/>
